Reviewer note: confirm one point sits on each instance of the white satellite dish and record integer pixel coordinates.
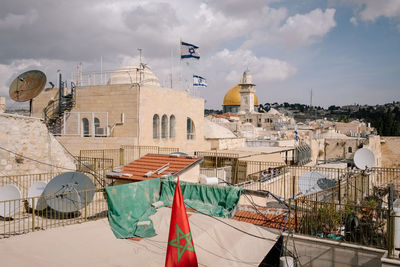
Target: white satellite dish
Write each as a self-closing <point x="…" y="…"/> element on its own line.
<point x="9" y="192"/>
<point x="36" y="191"/>
<point x="312" y="182"/>
<point x="66" y="192"/>
<point x="364" y="158"/>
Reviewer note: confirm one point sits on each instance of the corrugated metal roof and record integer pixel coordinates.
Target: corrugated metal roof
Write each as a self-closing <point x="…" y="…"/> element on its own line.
<point x="136" y="170"/>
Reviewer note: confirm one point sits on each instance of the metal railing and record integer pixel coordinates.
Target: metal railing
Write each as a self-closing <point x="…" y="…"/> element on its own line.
<point x="96" y="168"/>
<point x="23" y="182"/>
<point x="125" y="154"/>
<point x="223" y="174"/>
<point x="363" y="224"/>
<point x="24" y="216"/>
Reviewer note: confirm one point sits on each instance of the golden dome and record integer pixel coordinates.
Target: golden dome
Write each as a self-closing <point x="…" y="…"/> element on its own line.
<point x="232" y="97"/>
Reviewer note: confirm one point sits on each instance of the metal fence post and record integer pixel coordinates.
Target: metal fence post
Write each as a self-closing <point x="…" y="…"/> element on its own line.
<point x="294" y="186"/>
<point x="121" y="156"/>
<point x="33" y="214"/>
<point x="295" y="215"/>
<point x="85" y="205"/>
<point x="339" y="192"/>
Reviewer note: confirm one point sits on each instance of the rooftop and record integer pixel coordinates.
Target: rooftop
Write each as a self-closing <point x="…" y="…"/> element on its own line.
<point x="222" y="242"/>
<point x="153" y="166"/>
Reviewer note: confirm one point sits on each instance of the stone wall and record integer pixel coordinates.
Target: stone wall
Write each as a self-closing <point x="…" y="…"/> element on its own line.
<point x="138" y="104"/>
<point x="75" y="144"/>
<point x="390" y="151"/>
<point x="227" y="143"/>
<point x="165" y="101"/>
<point x="28" y="137"/>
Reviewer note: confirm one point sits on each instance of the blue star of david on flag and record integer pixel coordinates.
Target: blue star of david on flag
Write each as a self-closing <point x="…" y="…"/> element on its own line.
<point x="189" y="51"/>
<point x="199" y="81"/>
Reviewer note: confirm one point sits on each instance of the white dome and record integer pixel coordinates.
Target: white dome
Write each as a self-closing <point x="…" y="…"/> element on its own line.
<point x="133" y="74"/>
<point x="213" y="130"/>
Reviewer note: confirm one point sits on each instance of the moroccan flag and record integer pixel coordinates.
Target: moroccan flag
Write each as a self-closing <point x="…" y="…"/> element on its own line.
<point x="180" y="249"/>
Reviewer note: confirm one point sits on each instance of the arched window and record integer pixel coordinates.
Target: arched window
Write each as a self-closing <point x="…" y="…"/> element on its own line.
<point x="164" y="126"/>
<point x="85" y="126"/>
<point x="156" y="126"/>
<point x="172" y="126"/>
<point x="97" y="126"/>
<point x="190" y="129"/>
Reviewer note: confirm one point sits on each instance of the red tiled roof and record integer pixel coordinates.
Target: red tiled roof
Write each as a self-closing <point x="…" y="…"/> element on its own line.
<point x="152" y="162"/>
<point x="266" y="220"/>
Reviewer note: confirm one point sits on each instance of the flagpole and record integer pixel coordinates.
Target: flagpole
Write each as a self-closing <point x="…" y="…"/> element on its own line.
<point x="170" y="62"/>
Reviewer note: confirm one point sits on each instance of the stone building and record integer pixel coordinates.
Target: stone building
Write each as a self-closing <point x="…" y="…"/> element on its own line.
<point x="243" y="101"/>
<point x="232" y="100"/>
<point x="28" y="147"/>
<point x="127" y="107"/>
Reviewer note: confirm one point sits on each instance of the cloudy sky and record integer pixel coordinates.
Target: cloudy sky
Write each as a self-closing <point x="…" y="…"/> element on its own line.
<point x="347" y="51"/>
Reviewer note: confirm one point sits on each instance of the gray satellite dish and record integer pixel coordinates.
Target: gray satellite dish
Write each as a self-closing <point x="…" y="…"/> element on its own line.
<point x="9" y="192"/>
<point x="65" y="192"/>
<point x="364" y="158"/>
<point x="36" y="191"/>
<point x="312" y="182"/>
<point x="27" y="85"/>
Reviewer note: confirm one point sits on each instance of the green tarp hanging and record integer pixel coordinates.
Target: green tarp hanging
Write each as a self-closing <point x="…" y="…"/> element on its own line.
<point x="129" y="204"/>
<point x="218" y="201"/>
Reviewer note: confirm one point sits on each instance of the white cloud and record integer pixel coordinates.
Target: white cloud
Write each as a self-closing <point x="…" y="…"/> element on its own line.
<point x="375" y="9"/>
<point x="263" y="69"/>
<point x="304" y="29"/>
<point x="370" y="10"/>
<point x="354" y="21"/>
<point x="294" y="31"/>
<point x="14" y="21"/>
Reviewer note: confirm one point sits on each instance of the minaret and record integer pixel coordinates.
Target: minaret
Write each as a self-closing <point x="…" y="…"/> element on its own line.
<point x="247" y="92"/>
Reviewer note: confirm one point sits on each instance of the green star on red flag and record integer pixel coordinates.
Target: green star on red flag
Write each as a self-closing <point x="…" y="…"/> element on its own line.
<point x="180" y="249"/>
<point x="180" y="235"/>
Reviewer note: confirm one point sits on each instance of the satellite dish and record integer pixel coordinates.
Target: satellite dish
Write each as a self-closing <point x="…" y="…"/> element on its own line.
<point x="27" y="85"/>
<point x="312" y="182"/>
<point x="364" y="158"/>
<point x="65" y="192"/>
<point x="9" y="192"/>
<point x="36" y="190"/>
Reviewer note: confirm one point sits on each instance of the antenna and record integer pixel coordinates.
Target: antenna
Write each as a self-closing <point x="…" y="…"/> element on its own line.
<point x="9" y="192"/>
<point x="69" y="192"/>
<point x="140" y="56"/>
<point x="364" y="158"/>
<point x="27" y="86"/>
<point x="311" y="98"/>
<point x="141" y="67"/>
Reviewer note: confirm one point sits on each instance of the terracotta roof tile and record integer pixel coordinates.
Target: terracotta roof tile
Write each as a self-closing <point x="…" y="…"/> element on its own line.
<point x="152" y="162"/>
<point x="266" y="220"/>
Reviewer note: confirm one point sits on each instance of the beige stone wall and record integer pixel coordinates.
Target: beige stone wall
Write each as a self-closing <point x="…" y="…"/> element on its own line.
<point x="227" y="143"/>
<point x="42" y="100"/>
<point x="165" y="101"/>
<point x="75" y="143"/>
<point x="114" y="99"/>
<point x="2" y="104"/>
<point x="138" y="107"/>
<point x="191" y="175"/>
<point x="374" y="144"/>
<point x="390" y="151"/>
<point x="29" y="137"/>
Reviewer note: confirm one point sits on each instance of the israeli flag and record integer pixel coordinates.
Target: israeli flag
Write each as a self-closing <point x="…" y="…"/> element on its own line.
<point x="199" y="81"/>
<point x="189" y="51"/>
